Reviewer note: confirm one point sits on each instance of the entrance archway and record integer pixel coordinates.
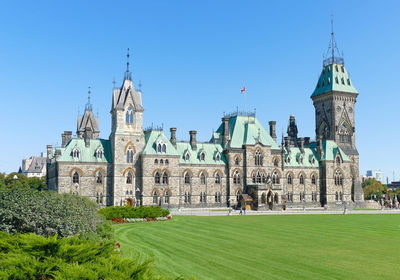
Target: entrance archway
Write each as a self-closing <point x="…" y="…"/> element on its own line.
<point x="270" y="199"/>
<point x="129" y="202"/>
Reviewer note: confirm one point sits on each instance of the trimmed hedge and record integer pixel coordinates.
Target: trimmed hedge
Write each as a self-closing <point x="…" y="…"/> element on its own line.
<point x="48" y="213"/>
<point x="133" y="212"/>
<point x="30" y="256"/>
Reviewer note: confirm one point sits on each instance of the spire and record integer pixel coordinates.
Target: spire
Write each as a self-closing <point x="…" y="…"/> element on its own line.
<point x="331" y="50"/>
<point x="128" y="75"/>
<point x="88" y="105"/>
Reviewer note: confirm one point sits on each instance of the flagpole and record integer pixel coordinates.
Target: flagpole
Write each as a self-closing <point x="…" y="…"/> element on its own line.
<point x="245" y="102"/>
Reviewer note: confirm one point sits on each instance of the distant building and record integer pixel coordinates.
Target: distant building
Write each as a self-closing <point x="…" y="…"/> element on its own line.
<point x="34" y="167"/>
<point x="376" y="174"/>
<point x="394" y="185"/>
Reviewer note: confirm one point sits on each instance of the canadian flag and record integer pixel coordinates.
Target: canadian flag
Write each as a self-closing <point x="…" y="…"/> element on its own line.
<point x="243" y="90"/>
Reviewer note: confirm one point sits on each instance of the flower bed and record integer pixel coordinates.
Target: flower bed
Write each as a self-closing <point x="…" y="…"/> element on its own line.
<point x="140" y="220"/>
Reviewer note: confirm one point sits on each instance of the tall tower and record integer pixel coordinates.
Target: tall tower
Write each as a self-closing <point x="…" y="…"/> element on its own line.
<point x="334" y="99"/>
<point x="88" y="122"/>
<point x="127" y="139"/>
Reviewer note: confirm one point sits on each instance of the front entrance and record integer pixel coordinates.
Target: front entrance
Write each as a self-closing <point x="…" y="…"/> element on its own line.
<point x="270" y="200"/>
<point x="129" y="202"/>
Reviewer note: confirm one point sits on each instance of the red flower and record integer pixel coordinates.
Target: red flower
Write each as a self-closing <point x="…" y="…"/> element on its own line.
<point x="118" y="245"/>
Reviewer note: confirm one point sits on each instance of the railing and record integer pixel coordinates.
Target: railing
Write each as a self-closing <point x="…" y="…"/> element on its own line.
<point x="336" y="59"/>
<point x="240" y="113"/>
<point x="154" y="128"/>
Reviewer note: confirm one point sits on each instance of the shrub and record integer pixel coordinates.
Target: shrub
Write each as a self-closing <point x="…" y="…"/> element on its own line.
<point x="115" y="212"/>
<point x="47" y="213"/>
<point x="29" y="256"/>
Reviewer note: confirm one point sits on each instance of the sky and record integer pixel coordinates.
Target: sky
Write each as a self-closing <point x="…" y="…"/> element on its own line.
<point x="192" y="58"/>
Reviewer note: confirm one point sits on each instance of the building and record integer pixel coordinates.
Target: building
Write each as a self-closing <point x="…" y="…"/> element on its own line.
<point x="143" y="166"/>
<point x="34" y="167"/>
<point x="376" y="174"/>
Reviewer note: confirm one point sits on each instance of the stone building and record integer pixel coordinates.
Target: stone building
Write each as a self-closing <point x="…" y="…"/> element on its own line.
<point x="143" y="166"/>
<point x="34" y="167"/>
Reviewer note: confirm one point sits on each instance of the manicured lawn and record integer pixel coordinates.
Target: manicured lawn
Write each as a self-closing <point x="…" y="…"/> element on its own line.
<point x="269" y="247"/>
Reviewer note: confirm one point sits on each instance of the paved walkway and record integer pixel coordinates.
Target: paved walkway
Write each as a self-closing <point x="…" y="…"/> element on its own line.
<point x="225" y="212"/>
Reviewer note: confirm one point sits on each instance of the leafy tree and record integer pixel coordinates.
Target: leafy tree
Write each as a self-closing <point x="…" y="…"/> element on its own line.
<point x="22" y="181"/>
<point x="374" y="189"/>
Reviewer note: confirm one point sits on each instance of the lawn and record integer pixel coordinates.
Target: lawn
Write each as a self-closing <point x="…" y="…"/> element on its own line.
<point x="268" y="247"/>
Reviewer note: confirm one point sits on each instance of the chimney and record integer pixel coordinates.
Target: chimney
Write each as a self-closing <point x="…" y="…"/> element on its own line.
<point x="57" y="154"/>
<point x="225" y="131"/>
<point x="272" y="129"/>
<point x="48" y="149"/>
<point x="65" y="137"/>
<point x="173" y="135"/>
<point x="306" y="141"/>
<point x="287" y="142"/>
<point x="193" y="142"/>
<point x="88" y="135"/>
<point x="301" y="144"/>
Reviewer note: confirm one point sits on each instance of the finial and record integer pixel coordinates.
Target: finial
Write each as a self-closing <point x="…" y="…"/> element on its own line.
<point x="114" y="83"/>
<point x="88" y="105"/>
<point x="89" y="95"/>
<point x="127" y="61"/>
<point x="332" y="37"/>
<point x="140" y="85"/>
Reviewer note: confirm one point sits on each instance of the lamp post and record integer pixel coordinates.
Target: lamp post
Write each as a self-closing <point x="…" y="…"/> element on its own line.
<point x="15" y="178"/>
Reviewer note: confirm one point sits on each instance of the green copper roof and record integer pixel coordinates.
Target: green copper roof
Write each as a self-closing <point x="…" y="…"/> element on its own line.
<point x="152" y="137"/>
<point x="210" y="150"/>
<point x="86" y="154"/>
<point x="247" y="130"/>
<point x="334" y="77"/>
<point x="295" y="158"/>
<point x="330" y="150"/>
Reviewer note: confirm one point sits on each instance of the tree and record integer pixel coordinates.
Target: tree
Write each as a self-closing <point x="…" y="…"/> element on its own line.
<point x="374" y="189"/>
<point x="35" y="183"/>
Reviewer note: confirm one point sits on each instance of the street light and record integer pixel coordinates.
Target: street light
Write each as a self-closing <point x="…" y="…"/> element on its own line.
<point x="15" y="178"/>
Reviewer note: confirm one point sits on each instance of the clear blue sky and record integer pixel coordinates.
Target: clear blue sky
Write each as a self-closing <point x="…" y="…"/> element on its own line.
<point x="193" y="57"/>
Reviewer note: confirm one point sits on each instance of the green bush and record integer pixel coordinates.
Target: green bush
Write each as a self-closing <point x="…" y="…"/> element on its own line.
<point x="133" y="212"/>
<point x="47" y="213"/>
<point x="30" y="256"/>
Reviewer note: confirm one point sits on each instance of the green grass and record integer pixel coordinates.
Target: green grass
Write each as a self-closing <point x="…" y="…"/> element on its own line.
<point x="268" y="247"/>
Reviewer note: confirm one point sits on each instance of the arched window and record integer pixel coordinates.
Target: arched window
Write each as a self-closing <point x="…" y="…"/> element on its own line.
<point x="288" y="159"/>
<point x="341" y="196"/>
<point x="129" y="178"/>
<point x="218" y="157"/>
<point x="338" y="178"/>
<point x="237" y="161"/>
<point x="217" y="178"/>
<point x="313" y="179"/>
<point x="338" y="161"/>
<point x="187" y="156"/>
<point x="258" y="178"/>
<point x="301" y="179"/>
<point x="166" y="161"/>
<point x="129" y="155"/>
<point x="165" y="178"/>
<point x="158" y="148"/>
<point x="276" y="162"/>
<point x="336" y="196"/>
<point x="129" y="116"/>
<point x="187" y="178"/>
<point x="157" y="178"/>
<point x="264" y="178"/>
<point x="253" y="178"/>
<point x="164" y="148"/>
<point x="201" y="196"/>
<point x="216" y="197"/>
<point x="276" y="198"/>
<point x="99" y="154"/>
<point x="161" y="161"/>
<point x="202" y="178"/>
<point x="289" y="179"/>
<point x="155" y="197"/>
<point x="75" y="153"/>
<point x="99" y="178"/>
<point x="202" y="156"/>
<point x="167" y="195"/>
<point x="156" y="161"/>
<point x="236" y="178"/>
<point x="275" y="178"/>
<point x="258" y="160"/>
<point x="75" y="178"/>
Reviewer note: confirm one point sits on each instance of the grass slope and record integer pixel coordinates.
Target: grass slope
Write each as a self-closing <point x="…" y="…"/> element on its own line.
<point x="269" y="247"/>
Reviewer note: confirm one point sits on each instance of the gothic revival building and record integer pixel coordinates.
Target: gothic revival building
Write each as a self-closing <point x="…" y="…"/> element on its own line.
<point x="136" y="166"/>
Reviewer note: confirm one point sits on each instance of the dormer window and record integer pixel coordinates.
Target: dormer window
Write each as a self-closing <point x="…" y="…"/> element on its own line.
<point x="313" y="160"/>
<point x="202" y="156"/>
<point x="337" y="80"/>
<point x="301" y="159"/>
<point x="348" y="82"/>
<point x="218" y="157"/>
<point x="342" y="69"/>
<point x="129" y="116"/>
<point x="187" y="156"/>
<point x="75" y="153"/>
<point x="337" y="69"/>
<point x="161" y="147"/>
<point x="288" y="160"/>
<point x="342" y="81"/>
<point x="99" y="153"/>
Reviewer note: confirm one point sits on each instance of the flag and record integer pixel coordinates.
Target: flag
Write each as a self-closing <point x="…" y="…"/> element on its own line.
<point x="243" y="90"/>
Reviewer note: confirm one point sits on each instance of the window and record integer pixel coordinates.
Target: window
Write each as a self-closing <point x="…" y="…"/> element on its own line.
<point x="165" y="178"/>
<point x="187" y="178"/>
<point x="159" y="148"/>
<point x="338" y="161"/>
<point x="218" y="157"/>
<point x="337" y="69"/>
<point x="289" y="179"/>
<point x="276" y="162"/>
<point x="203" y="197"/>
<point x="342" y="69"/>
<point x="202" y="178"/>
<point x="301" y="159"/>
<point x="161" y="161"/>
<point x="337" y="80"/>
<point x="301" y="179"/>
<point x="336" y="196"/>
<point x="129" y="155"/>
<point x="157" y="178"/>
<point x="258" y="160"/>
<point x="258" y="177"/>
<point x="166" y="161"/>
<point x="288" y="159"/>
<point x="75" y="178"/>
<point x="237" y="161"/>
<point x="275" y="178"/>
<point x="217" y="178"/>
<point x="216" y="197"/>
<point x="313" y="179"/>
<point x="348" y="82"/>
<point x="99" y="178"/>
<point x="156" y="161"/>
<point x="155" y="197"/>
<point x="313" y="160"/>
<point x="187" y="197"/>
<point x="129" y="116"/>
<point x="341" y="196"/>
<point x="164" y="148"/>
<point x="238" y="193"/>
<point x="342" y="81"/>
<point x="276" y="198"/>
<point x="75" y="153"/>
<point x="129" y="178"/>
<point x="202" y="156"/>
<point x="338" y="178"/>
<point x="187" y="156"/>
<point x="167" y="195"/>
<point x="99" y="154"/>
<point x="236" y="178"/>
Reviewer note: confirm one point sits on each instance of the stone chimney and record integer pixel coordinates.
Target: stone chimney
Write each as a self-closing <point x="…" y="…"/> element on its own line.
<point x="272" y="129"/>
<point x="65" y="137"/>
<point x="193" y="142"/>
<point x="225" y="131"/>
<point x="301" y="144"/>
<point x="88" y="135"/>
<point x="48" y="150"/>
<point x="173" y="136"/>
